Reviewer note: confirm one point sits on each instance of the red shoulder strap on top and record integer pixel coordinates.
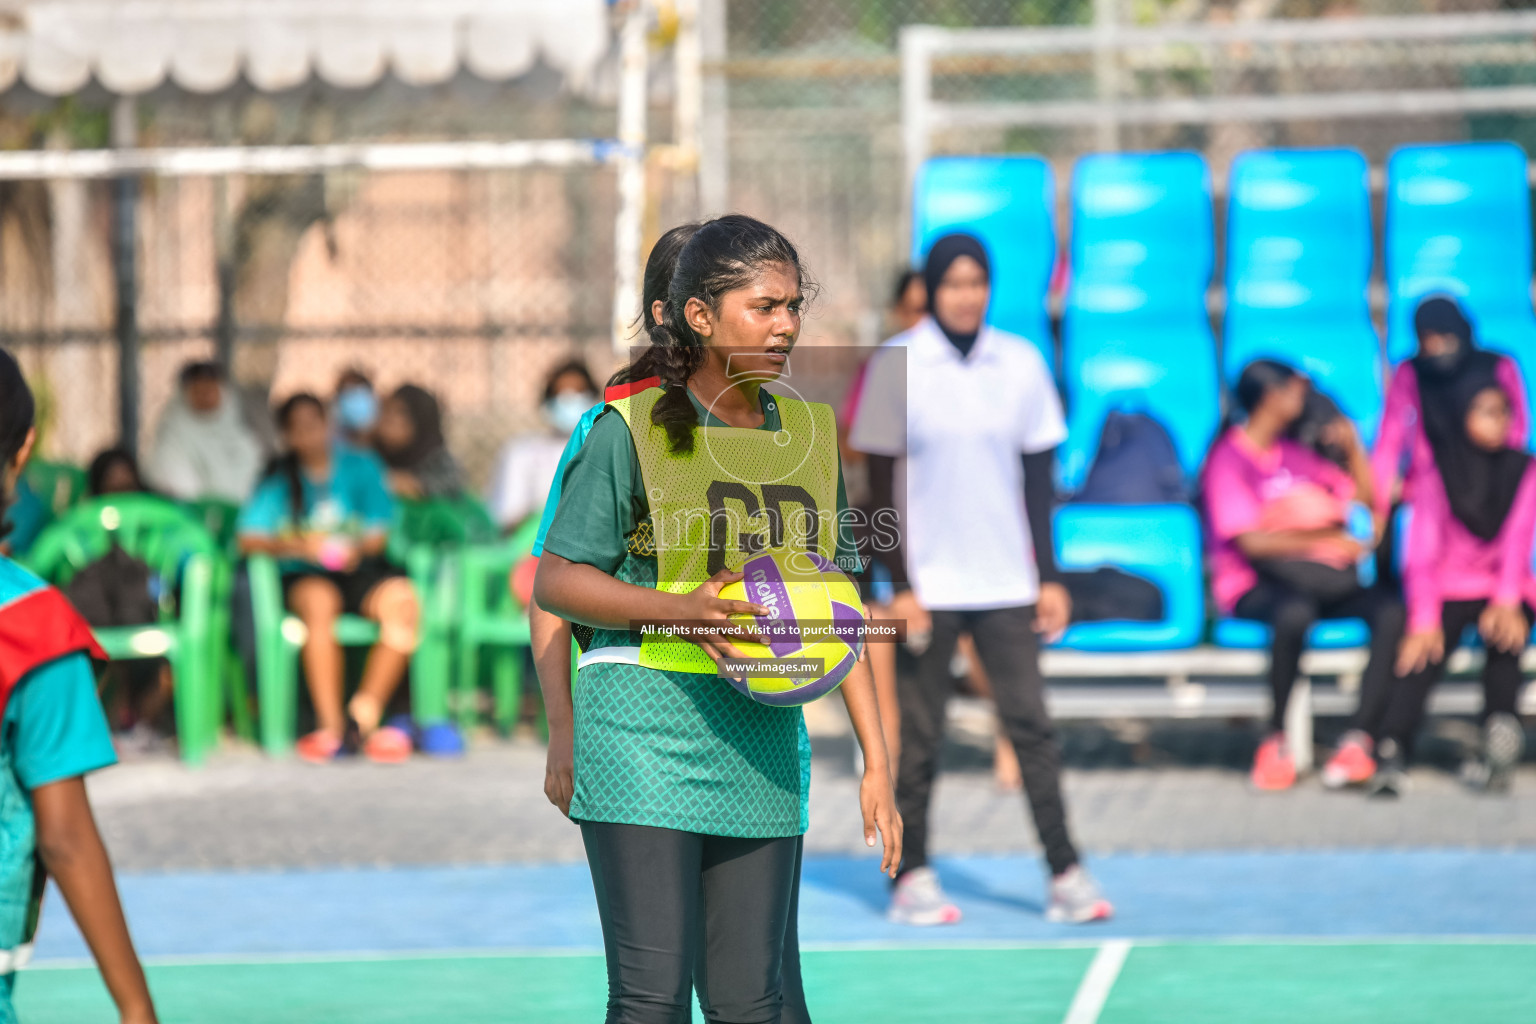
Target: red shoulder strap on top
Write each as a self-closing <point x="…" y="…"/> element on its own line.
<point x="36" y="629"/>
<point x="618" y="391"/>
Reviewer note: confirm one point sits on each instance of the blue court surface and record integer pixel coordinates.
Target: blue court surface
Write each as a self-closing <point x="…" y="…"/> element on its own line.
<point x="1387" y="935"/>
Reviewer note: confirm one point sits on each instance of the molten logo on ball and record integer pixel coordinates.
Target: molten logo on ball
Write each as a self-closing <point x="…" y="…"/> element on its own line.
<point x="814" y="614"/>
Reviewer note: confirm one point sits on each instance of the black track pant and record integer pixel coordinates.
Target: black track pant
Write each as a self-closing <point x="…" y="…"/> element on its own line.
<point x="1009" y="650"/>
<point x="681" y="910"/>
<point x="1292" y="605"/>
<point x="1410" y="697"/>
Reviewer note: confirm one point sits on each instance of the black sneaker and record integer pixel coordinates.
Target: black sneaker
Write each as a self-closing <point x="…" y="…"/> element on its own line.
<point x="1391" y="778"/>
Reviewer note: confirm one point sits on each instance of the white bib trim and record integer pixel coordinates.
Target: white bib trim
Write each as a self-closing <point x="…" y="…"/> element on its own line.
<point x="13" y="960"/>
<point x="609" y="656"/>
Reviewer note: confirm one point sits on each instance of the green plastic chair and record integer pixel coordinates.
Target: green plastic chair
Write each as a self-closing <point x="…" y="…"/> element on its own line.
<point x="219" y="518"/>
<point x="60" y="485"/>
<point x="279" y="636"/>
<point x="489" y="616"/>
<point x="187" y="559"/>
<point x="430" y="541"/>
<point x="418" y="542"/>
<point x="445" y="523"/>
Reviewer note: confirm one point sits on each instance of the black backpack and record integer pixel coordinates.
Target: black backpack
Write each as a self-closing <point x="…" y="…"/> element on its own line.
<point x="115" y="590"/>
<point x="1136" y="464"/>
<point x="1107" y="594"/>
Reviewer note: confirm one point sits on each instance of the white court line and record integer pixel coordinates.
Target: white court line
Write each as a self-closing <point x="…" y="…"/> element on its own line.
<point x="1093" y="990"/>
<point x="984" y="945"/>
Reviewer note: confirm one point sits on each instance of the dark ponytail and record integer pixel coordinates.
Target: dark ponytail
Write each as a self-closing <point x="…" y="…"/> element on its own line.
<point x="287" y="464"/>
<point x="722" y="255"/>
<point x="17" y="413"/>
<point x="657" y="285"/>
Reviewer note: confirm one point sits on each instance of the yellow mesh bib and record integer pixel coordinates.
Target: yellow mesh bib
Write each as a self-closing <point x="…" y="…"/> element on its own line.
<point x="739" y="491"/>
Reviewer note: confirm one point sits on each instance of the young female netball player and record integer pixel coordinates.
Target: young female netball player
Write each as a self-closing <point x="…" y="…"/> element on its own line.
<point x="53" y="733"/>
<point x="691" y="797"/>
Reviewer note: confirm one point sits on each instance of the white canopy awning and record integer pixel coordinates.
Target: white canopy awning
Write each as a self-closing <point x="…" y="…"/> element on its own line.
<point x="133" y="46"/>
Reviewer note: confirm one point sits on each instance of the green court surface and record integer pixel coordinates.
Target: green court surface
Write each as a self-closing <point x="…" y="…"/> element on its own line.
<point x="1173" y="983"/>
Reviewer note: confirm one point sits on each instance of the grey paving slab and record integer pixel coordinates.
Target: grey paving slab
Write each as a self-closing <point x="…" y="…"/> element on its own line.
<point x="1185" y="791"/>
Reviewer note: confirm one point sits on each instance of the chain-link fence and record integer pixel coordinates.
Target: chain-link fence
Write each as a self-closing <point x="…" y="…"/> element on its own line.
<point x="815" y="106"/>
<point x="474" y="283"/>
<point x="471" y="284"/>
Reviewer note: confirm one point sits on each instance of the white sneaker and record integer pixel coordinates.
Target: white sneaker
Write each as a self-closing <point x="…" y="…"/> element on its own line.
<point x="1077" y="899"/>
<point x="919" y="900"/>
<point x="1502" y="747"/>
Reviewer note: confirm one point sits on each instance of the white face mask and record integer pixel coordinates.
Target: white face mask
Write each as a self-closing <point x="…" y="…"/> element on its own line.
<point x="565" y="410"/>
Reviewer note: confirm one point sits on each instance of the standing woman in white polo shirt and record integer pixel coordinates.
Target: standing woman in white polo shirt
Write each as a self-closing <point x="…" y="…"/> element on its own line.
<point x="968" y="417"/>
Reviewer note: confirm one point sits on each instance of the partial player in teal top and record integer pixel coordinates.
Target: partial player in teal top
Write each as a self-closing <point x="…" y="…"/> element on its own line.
<point x="25" y="519"/>
<point x="578" y="438"/>
<point x="550" y="635"/>
<point x="54" y="727"/>
<point x="52" y="732"/>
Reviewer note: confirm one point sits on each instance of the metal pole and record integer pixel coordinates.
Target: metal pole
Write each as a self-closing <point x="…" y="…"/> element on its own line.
<point x="224" y="249"/>
<point x="125" y="197"/>
<point x="1106" y="73"/>
<point x="632" y="138"/>
<point x="715" y="113"/>
<point x="688" y="68"/>
<point x="916" y="96"/>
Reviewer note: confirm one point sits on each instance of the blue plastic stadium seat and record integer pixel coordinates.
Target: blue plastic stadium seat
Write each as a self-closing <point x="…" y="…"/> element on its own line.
<point x="1459" y="221"/>
<point x="1160" y="543"/>
<point x="1330" y="634"/>
<point x="1136" y="335"/>
<point x="1009" y="203"/>
<point x="1299" y="250"/>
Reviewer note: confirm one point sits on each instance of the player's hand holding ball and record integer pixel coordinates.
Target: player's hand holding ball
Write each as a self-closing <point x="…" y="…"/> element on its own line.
<point x="704" y="604"/>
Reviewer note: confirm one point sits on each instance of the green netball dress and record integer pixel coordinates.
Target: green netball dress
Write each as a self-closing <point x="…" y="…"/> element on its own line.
<point x="671" y="749"/>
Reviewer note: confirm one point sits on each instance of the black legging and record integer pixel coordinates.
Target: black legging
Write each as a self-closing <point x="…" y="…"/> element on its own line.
<point x="1410" y="697"/>
<point x="681" y="910"/>
<point x="1010" y="651"/>
<point x="1309" y="592"/>
<point x="795" y="1010"/>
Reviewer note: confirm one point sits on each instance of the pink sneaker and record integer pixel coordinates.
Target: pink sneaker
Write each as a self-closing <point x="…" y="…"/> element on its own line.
<point x="1273" y="766"/>
<point x="918" y="899"/>
<point x="1351" y="763"/>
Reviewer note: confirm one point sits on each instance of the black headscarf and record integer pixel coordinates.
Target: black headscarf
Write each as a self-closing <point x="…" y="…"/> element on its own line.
<point x="1480" y="484"/>
<point x="427" y="418"/>
<point x="1440" y="314"/>
<point x="944" y="253"/>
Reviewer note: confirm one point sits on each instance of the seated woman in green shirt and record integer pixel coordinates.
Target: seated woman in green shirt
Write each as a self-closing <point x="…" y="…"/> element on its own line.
<point x="325" y="513"/>
<point x="690" y="795"/>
